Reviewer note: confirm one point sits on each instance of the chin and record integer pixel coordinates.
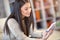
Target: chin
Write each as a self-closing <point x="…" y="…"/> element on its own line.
<point x="28" y="16"/>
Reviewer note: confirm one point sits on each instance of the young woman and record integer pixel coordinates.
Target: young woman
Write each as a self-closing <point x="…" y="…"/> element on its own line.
<point x="18" y="24"/>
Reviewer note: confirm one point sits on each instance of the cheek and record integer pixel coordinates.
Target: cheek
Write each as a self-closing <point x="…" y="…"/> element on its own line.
<point x="23" y="12"/>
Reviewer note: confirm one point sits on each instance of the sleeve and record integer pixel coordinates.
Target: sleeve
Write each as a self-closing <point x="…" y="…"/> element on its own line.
<point x="35" y="34"/>
<point x="14" y="28"/>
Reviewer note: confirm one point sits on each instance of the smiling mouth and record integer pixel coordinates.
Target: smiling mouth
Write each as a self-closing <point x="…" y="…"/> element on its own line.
<point x="28" y="14"/>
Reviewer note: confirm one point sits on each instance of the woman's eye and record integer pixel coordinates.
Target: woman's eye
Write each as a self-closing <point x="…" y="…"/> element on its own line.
<point x="26" y="8"/>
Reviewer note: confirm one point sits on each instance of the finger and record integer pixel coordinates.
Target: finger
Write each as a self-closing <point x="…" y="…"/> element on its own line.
<point x="48" y="34"/>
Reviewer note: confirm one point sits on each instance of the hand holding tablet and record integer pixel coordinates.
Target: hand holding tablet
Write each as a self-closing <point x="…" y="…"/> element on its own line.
<point x="52" y="26"/>
<point x="49" y="31"/>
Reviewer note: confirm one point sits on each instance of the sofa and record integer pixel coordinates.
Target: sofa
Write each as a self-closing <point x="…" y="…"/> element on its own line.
<point x="2" y="21"/>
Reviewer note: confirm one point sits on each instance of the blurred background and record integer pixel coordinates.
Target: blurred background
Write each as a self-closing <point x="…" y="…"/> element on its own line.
<point x="45" y="12"/>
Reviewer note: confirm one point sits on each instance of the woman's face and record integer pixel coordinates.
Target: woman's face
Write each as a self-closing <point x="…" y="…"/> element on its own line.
<point x="26" y="10"/>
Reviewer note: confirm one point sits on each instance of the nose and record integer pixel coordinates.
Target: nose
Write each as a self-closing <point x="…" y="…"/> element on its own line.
<point x="29" y="10"/>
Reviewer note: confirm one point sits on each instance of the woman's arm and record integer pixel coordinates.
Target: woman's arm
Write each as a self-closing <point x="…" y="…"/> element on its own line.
<point x="14" y="28"/>
<point x="46" y="34"/>
<point x="34" y="33"/>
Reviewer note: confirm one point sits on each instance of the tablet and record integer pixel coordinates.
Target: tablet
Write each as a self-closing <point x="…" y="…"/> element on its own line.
<point x="52" y="26"/>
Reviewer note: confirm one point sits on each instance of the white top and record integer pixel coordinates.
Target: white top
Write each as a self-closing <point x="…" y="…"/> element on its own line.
<point x="16" y="33"/>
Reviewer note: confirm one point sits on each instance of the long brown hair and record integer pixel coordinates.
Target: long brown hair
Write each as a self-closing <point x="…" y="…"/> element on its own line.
<point x="16" y="14"/>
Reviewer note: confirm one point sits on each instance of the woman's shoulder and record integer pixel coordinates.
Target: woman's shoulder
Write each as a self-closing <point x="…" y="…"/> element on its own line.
<point x="12" y="22"/>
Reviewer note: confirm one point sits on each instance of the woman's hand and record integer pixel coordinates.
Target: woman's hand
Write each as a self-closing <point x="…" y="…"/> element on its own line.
<point x="49" y="31"/>
<point x="47" y="34"/>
